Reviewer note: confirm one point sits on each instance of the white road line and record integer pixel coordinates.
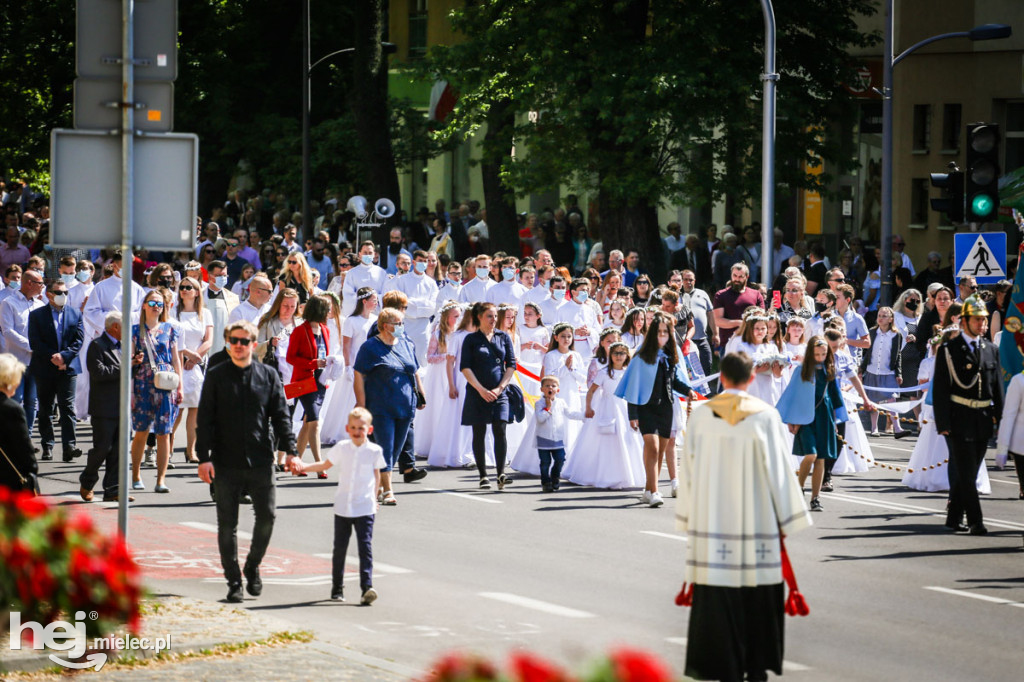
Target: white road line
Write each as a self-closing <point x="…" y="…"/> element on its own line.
<point x="681" y="641"/>
<point x="972" y="595"/>
<point x="899" y="506"/>
<point x="788" y="666"/>
<point x="536" y="605"/>
<point x="681" y="538"/>
<point x="475" y="498"/>
<point x="377" y="565"/>
<point x="198" y="525"/>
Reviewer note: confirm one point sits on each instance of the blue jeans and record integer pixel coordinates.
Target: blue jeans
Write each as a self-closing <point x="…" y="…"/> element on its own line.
<point x="551" y="462"/>
<point x="390" y="434"/>
<point x="343" y="526"/>
<point x="26" y="394"/>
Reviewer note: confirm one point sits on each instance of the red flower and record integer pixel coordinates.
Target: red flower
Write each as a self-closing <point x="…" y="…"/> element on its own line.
<point x="30" y="505"/>
<point x="632" y="665"/>
<point x="81" y="523"/>
<point x="530" y="668"/>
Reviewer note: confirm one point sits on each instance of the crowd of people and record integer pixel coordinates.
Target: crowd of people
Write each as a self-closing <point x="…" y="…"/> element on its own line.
<point x="559" y="361"/>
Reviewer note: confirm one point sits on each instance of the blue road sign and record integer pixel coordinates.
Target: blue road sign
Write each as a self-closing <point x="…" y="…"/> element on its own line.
<point x="981" y="255"/>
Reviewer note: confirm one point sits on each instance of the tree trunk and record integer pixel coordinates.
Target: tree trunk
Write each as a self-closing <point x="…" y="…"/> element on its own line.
<point x="369" y="102"/>
<point x="633" y="227"/>
<point x="502" y="226"/>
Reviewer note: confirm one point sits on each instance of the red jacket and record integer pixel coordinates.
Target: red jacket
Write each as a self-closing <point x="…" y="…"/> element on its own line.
<point x="302" y="354"/>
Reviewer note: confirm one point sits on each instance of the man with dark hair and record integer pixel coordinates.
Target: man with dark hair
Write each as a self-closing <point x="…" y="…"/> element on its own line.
<point x="817" y="273"/>
<point x="736" y="509"/>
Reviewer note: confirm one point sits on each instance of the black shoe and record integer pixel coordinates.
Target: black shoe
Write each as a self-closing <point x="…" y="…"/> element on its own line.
<point x="503" y="481"/>
<point x="978" y="529"/>
<point x="246" y="498"/>
<point x="826" y="487"/>
<point x="905" y="434"/>
<point x="547" y="488"/>
<point x="957" y="527"/>
<point x="815" y="504"/>
<point x="72" y="453"/>
<point x="414" y="474"/>
<point x="48" y="457"/>
<point x="235" y="595"/>
<point x="253" y="583"/>
<point x="338" y="592"/>
<point x="280" y="468"/>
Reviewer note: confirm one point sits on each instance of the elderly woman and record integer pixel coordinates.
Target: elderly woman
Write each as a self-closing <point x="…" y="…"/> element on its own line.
<point x="18" y="465"/>
<point x="386" y="383"/>
<point x="907" y="314"/>
<point x="488" y="363"/>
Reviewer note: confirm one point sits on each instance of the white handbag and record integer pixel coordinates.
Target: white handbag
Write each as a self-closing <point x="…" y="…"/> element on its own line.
<point x="164" y="381"/>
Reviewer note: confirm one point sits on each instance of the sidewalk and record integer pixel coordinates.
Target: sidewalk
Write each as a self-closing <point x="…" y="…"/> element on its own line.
<point x="212" y="641"/>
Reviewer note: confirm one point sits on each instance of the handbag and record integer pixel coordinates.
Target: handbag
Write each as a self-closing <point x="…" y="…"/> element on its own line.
<point x="162" y="380"/>
<point x="29" y="482"/>
<point x="300" y="388"/>
<point x="609" y="428"/>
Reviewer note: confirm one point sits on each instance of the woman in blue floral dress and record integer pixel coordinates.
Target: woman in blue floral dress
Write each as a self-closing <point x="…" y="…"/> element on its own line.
<point x="153" y="409"/>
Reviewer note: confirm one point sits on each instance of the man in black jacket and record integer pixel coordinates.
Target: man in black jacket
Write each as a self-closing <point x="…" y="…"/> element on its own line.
<point x="968" y="401"/>
<point x="693" y="256"/>
<point x="104" y="362"/>
<point x="241" y="402"/>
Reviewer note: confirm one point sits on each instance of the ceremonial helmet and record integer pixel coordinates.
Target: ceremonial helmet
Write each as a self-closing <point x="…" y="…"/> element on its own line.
<point x="974" y="307"/>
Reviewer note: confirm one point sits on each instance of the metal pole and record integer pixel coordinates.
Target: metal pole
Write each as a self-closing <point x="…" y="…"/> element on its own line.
<point x="770" y="78"/>
<point x="306" y="225"/>
<point x="885" y="294"/>
<point x="127" y="208"/>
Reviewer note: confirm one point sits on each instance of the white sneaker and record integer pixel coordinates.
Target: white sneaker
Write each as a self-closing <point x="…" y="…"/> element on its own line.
<point x="646" y="497"/>
<point x="675" y="487"/>
<point x="656" y="500"/>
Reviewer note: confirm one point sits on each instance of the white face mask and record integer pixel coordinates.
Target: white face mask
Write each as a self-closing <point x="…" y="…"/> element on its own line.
<point x="421" y="267"/>
<point x="483" y="272"/>
<point x="366" y="259"/>
<point x="60" y="299"/>
<point x="82" y="276"/>
<point x="507" y="274"/>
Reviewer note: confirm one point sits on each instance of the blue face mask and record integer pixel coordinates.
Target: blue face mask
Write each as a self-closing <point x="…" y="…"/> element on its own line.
<point x="221" y="281"/>
<point x="399" y="330"/>
<point x="82" y="276"/>
<point x="366" y="259"/>
<point x="483" y="272"/>
<point x="455" y="280"/>
<point x="546" y="284"/>
<point x="507" y="274"/>
<point x="582" y="296"/>
<point x="14" y="284"/>
<point x="421" y="267"/>
<point x="67" y="279"/>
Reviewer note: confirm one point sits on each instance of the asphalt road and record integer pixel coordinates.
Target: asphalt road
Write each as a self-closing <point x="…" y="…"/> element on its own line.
<point x="893" y="595"/>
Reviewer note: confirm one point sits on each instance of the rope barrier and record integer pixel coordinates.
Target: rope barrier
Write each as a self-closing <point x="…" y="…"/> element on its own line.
<point x="884" y="465"/>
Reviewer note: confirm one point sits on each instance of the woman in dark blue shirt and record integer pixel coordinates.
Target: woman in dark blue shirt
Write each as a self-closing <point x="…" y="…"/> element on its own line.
<point x="386" y="383"/>
<point x="488" y="363"/>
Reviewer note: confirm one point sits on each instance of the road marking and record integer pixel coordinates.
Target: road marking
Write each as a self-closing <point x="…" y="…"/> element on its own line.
<point x="681" y="538"/>
<point x="972" y="595"/>
<point x="377" y="565"/>
<point x="899" y="506"/>
<point x="789" y="666"/>
<point x="198" y="525"/>
<point x="536" y="605"/>
<point x="475" y="498"/>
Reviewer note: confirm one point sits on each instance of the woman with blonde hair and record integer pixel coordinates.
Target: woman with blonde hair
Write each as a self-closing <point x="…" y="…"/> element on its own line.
<point x="298" y="276"/>
<point x="274" y="330"/>
<point x="195" y="324"/>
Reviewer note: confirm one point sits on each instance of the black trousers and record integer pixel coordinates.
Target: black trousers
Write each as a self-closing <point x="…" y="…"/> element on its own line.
<point x="343" y="527"/>
<point x="480" y="447"/>
<point x="230" y="484"/>
<point x="103" y="453"/>
<point x="1018" y="465"/>
<point x="62" y="387"/>
<point x="829" y="463"/>
<point x="965" y="457"/>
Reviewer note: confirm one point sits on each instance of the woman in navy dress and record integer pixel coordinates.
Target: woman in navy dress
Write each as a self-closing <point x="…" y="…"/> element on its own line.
<point x="488" y="363"/>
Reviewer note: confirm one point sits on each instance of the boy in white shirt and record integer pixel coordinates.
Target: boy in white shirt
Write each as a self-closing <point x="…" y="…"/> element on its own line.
<point x="355" y="503"/>
<point x="551" y="413"/>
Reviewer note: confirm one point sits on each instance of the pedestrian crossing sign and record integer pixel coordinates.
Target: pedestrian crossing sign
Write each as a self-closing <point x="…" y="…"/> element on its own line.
<point x="980" y="255"/>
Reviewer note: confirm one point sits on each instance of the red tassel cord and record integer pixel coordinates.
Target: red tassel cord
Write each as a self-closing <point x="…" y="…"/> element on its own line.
<point x="685" y="596"/>
<point x="796" y="605"/>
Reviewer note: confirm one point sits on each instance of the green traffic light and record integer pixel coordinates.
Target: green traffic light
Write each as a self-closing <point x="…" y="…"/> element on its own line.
<point x="982" y="205"/>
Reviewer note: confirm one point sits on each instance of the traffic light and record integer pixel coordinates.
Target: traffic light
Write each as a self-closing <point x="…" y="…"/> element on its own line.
<point x="982" y="172"/>
<point x="952" y="201"/>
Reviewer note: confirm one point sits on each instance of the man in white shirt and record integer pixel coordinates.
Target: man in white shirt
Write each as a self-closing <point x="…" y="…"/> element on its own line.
<point x="582" y="317"/>
<point x="14" y="323"/>
<point x="422" y="294"/>
<point x="780" y="252"/>
<point x="508" y="290"/>
<point x="476" y="289"/>
<point x="550" y="307"/>
<point x="897" y="248"/>
<point x="256" y="305"/>
<point x="674" y="240"/>
<point x="219" y="301"/>
<point x="366" y="274"/>
<point x="450" y="287"/>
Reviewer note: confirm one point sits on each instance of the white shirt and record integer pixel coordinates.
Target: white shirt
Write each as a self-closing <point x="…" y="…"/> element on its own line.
<point x="421" y="292"/>
<point x="105" y="298"/>
<point x="674" y="243"/>
<point x="358" y="277"/>
<point x="550" y="309"/>
<point x="77" y="295"/>
<point x="880" y="352"/>
<point x="476" y="290"/>
<point x="551" y="423"/>
<point x="581" y="315"/>
<point x="356" y="493"/>
<point x="509" y="292"/>
<point x="248" y="312"/>
<point x="14" y="323"/>
<point x="779" y="256"/>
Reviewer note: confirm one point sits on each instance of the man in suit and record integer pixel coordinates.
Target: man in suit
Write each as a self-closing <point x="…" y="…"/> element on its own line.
<point x="55" y="335"/>
<point x="219" y="301"/>
<point x="693" y="257"/>
<point x="968" y="400"/>
<point x="103" y="360"/>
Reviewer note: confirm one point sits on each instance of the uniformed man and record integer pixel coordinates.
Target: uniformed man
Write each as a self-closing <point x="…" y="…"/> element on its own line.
<point x="968" y="399"/>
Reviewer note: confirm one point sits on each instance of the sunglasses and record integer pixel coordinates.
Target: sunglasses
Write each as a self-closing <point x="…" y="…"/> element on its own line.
<point x="233" y="244"/>
<point x="235" y="340"/>
<point x="837" y="280"/>
<point x="155" y="304"/>
<point x="186" y="287"/>
<point x="293" y="262"/>
<point x="207" y="250"/>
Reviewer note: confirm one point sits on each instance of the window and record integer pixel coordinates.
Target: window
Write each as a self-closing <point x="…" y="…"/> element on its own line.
<point x="1014" y="132"/>
<point x="922" y="127"/>
<point x="951" y="126"/>
<point x="417" y="29"/>
<point x="919" y="202"/>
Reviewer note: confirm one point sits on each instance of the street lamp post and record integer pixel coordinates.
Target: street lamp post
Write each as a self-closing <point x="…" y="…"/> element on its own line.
<point x="770" y="78"/>
<point x="983" y="32"/>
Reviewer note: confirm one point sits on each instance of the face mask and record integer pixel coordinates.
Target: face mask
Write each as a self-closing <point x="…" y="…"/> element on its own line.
<point x="67" y="279"/>
<point x="421" y="267"/>
<point x="558" y="294"/>
<point x="221" y="281"/>
<point x="14" y="284"/>
<point x="911" y="305"/>
<point x="483" y="272"/>
<point x="60" y="299"/>
<point x="366" y="260"/>
<point x="820" y="307"/>
<point x="546" y="284"/>
<point x="399" y="330"/>
<point x="455" y="280"/>
<point x="82" y="276"/>
<point x="582" y="296"/>
<point x="507" y="274"/>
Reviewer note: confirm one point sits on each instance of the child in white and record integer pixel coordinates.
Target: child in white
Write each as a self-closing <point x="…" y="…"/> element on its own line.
<point x="550" y="414"/>
<point x="355" y="502"/>
<point x="608" y="454"/>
